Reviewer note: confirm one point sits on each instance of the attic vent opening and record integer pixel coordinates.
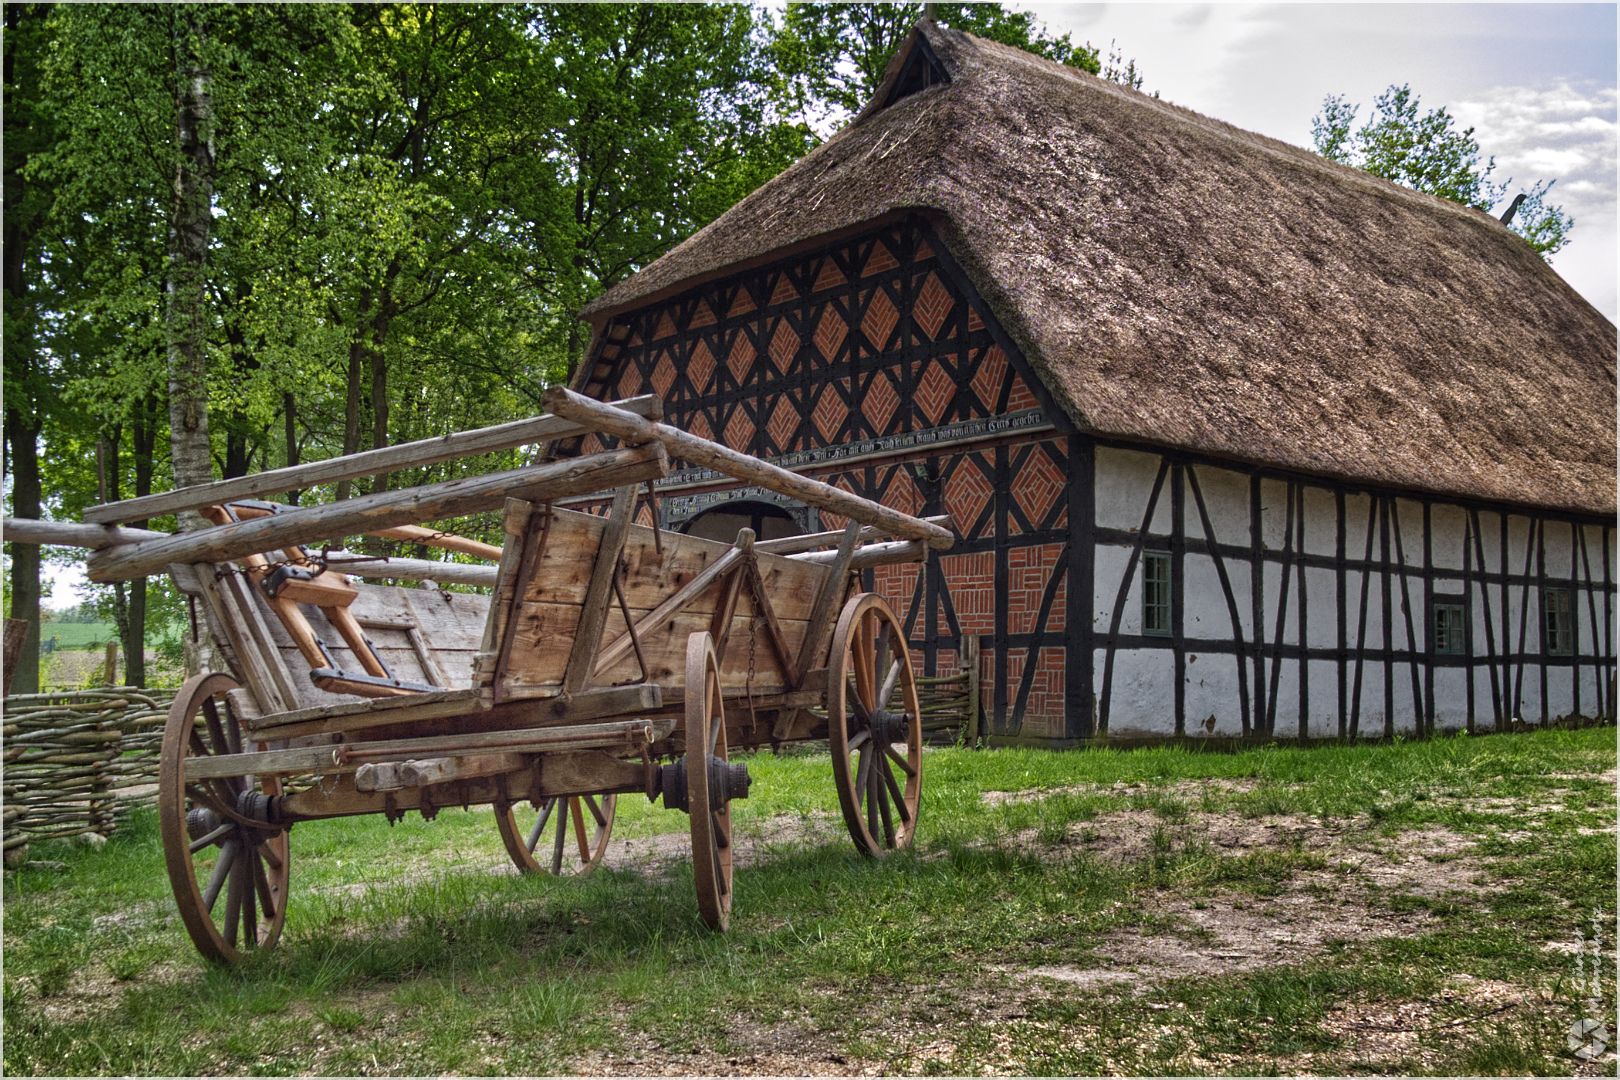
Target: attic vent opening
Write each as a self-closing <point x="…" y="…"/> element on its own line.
<point x="922" y="69"/>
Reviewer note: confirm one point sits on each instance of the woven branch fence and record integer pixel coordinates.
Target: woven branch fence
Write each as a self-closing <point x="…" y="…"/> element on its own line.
<point x="74" y="761"/>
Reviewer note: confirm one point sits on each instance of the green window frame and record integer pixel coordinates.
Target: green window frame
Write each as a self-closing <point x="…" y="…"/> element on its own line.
<point x="1448" y="627"/>
<point x="1558" y="621"/>
<point x="1156" y="593"/>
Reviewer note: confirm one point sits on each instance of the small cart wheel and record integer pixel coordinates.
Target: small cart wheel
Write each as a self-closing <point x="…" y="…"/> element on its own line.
<point x="709" y="804"/>
<point x="868" y="663"/>
<point x="588" y="817"/>
<point x="211" y="843"/>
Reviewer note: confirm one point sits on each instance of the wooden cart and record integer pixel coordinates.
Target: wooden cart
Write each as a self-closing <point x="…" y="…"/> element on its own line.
<point x="609" y="658"/>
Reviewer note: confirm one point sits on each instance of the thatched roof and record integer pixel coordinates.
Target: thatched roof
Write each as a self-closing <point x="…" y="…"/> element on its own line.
<point x="1177" y="280"/>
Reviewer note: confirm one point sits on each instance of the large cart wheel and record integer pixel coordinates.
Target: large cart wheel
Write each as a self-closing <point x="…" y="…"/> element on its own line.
<point x="870" y="742"/>
<point x="212" y="842"/>
<point x="580" y="827"/>
<point x="708" y="794"/>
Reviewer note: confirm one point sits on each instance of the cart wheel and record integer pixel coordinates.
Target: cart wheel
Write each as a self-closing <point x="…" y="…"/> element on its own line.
<point x="591" y="821"/>
<point x="869" y="653"/>
<point x="710" y="810"/>
<point x="210" y="847"/>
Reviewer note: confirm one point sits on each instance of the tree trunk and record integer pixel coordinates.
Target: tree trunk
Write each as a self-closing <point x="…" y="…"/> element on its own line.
<point x="351" y="408"/>
<point x="189" y="228"/>
<point x="289" y="412"/>
<point x="22" y="435"/>
<point x="386" y="308"/>
<point x="144" y="432"/>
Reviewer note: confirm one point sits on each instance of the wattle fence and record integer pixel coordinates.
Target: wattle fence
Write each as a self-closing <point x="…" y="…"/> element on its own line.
<point x="78" y="761"/>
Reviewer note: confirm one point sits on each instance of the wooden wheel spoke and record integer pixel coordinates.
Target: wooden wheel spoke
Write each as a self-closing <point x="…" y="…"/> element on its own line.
<point x="905" y="765"/>
<point x="889" y="683"/>
<point x="893" y="787"/>
<point x="860" y="737"/>
<point x="862" y="776"/>
<point x="577" y="812"/>
<point x="216" y="732"/>
<point x="267" y="852"/>
<point x="222" y="867"/>
<point x="596" y="810"/>
<point x="233" y="900"/>
<point x="859" y="709"/>
<point x="872" y="796"/>
<point x="203" y="841"/>
<point x="250" y="907"/>
<point x="883" y="803"/>
<point x="722" y="831"/>
<point x="261" y="883"/>
<point x="558" y="843"/>
<point x="540" y="824"/>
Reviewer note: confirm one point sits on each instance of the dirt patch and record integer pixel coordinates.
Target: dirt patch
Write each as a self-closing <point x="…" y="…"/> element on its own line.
<point x="755" y="1050"/>
<point x="1123" y="789"/>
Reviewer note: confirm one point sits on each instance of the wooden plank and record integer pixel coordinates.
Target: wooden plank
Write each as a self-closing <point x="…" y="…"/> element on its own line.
<point x="71" y="533"/>
<point x="601" y="416"/>
<point x="789" y="545"/>
<point x="434" y="538"/>
<point x="593" y="611"/>
<point x="389" y="459"/>
<point x="513" y="523"/>
<point x="260" y="665"/>
<point x="396" y="775"/>
<point x="348" y="757"/>
<point x="430" y="502"/>
<point x="682" y="599"/>
<point x="418" y="570"/>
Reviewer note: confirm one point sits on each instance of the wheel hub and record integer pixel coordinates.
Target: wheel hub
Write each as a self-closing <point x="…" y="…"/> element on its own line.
<point x="727" y="781"/>
<point x="889" y="727"/>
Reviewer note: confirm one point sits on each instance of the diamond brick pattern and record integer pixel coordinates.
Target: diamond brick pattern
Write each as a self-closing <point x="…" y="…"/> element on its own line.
<point x="1036" y="486"/>
<point x="902" y="493"/>
<point x="783" y="424"/>
<point x="881" y="401"/>
<point x="785" y="290"/>
<point x="741" y="358"/>
<point x="966" y="493"/>
<point x="830" y="411"/>
<point x="629" y="381"/>
<point x="974" y="321"/>
<point x="878" y="322"/>
<point x="934" y="391"/>
<point x="700" y="368"/>
<point x="741" y="304"/>
<point x="666" y="326"/>
<point x="644" y="516"/>
<point x="590" y="444"/>
<point x="830" y="333"/>
<point x="663" y="376"/>
<point x="699" y="425"/>
<point x="784" y="346"/>
<point x="933" y="304"/>
<point x="702" y="315"/>
<point x="924" y="251"/>
<point x="830" y="276"/>
<point x="739" y="430"/>
<point x="987" y="380"/>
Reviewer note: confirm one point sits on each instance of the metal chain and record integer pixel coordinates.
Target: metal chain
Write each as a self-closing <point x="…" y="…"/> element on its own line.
<point x="753" y="718"/>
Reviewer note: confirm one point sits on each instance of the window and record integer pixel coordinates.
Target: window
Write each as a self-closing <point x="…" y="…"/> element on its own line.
<point x="1156" y="592"/>
<point x="1449" y="628"/>
<point x="1558" y="622"/>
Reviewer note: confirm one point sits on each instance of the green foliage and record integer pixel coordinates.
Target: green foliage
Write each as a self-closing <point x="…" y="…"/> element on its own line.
<point x="1426" y="152"/>
<point x="831" y="57"/>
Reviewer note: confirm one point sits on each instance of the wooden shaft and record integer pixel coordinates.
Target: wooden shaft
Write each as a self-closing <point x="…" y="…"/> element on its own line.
<point x="418" y="570"/>
<point x="71" y="533"/>
<point x="389" y="459"/>
<point x="791" y="545"/>
<point x="590" y="413"/>
<point x="899" y="551"/>
<point x="382" y="510"/>
<point x="434" y="538"/>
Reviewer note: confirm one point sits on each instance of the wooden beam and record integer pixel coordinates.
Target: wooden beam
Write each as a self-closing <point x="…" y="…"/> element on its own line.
<point x="348" y="757"/>
<point x="418" y="570"/>
<point x="389" y="459"/>
<point x="397" y="775"/>
<point x="381" y="510"/>
<point x="434" y="538"/>
<point x="791" y="545"/>
<point x="825" y="610"/>
<point x="899" y="551"/>
<point x="600" y="416"/>
<point x="71" y="533"/>
<point x="593" y="612"/>
<point x="674" y="605"/>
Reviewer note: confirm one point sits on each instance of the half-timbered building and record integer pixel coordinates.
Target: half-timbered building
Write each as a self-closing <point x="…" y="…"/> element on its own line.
<point x="1236" y="441"/>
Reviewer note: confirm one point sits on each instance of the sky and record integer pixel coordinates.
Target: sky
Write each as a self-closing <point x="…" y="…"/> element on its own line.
<point x="1535" y="81"/>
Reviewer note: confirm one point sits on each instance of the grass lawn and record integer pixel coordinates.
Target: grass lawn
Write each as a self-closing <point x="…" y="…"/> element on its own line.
<point x="73" y="636"/>
<point x="1409" y="908"/>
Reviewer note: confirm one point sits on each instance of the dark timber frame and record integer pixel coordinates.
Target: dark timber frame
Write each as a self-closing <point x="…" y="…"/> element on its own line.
<point x="886" y="382"/>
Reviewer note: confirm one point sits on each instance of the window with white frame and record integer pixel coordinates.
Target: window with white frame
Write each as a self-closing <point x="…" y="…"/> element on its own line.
<point x="1558" y="622"/>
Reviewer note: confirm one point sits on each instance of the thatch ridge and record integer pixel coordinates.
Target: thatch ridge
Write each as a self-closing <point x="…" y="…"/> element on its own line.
<point x="1177" y="280"/>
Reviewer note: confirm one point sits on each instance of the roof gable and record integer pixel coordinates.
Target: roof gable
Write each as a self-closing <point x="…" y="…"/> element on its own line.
<point x="1178" y="280"/>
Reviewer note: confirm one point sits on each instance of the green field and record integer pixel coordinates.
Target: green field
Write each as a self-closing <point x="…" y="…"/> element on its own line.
<point x="73" y="636"/>
<point x="1411" y="908"/>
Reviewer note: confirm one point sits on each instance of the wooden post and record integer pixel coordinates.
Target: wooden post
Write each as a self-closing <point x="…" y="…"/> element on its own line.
<point x="970" y="664"/>
<point x="599" y="593"/>
<point x="110" y="665"/>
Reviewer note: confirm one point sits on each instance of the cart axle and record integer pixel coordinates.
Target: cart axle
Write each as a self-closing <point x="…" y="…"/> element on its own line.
<point x="727" y="781"/>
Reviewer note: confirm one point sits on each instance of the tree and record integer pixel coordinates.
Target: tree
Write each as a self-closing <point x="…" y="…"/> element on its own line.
<point x="1427" y="153"/>
<point x="831" y="57"/>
